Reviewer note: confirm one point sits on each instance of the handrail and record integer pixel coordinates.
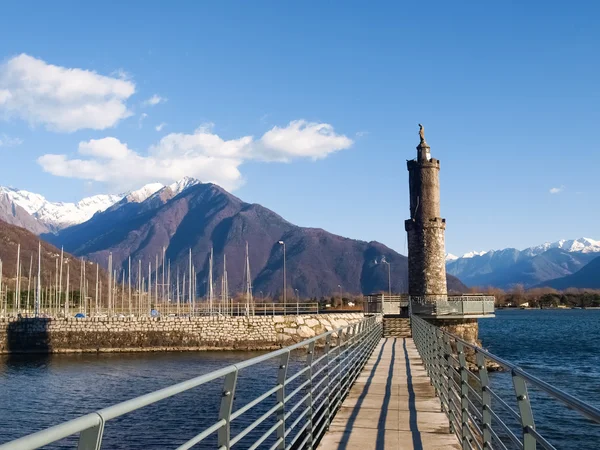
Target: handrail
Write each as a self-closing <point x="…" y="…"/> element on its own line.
<point x="344" y="352"/>
<point x="448" y="359"/>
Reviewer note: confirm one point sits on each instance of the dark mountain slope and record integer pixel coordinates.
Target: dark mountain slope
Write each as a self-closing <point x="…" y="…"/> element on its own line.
<point x="11" y="236"/>
<point x="587" y="277"/>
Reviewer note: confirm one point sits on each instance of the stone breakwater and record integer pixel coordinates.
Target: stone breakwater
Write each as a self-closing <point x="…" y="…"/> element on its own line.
<point x="164" y="334"/>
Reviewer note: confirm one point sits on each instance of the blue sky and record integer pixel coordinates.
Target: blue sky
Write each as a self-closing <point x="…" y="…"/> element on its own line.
<point x="508" y="93"/>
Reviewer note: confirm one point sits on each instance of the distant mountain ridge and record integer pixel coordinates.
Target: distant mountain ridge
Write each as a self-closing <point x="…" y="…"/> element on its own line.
<point x="198" y="216"/>
<point x="588" y="277"/>
<point x="584" y="245"/>
<point x="47" y="216"/>
<point x="529" y="267"/>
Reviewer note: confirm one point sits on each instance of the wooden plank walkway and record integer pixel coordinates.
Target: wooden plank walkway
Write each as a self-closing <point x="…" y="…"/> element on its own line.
<point x="391" y="406"/>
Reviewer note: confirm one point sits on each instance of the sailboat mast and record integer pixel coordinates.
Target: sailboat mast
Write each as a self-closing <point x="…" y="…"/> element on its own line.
<point x="39" y="280"/>
<point x="210" y="282"/>
<point x="67" y="295"/>
<point x="110" y="274"/>
<point x="60" y="276"/>
<point x="16" y="302"/>
<point x="29" y="280"/>
<point x="129" y="282"/>
<point x="190" y="282"/>
<point x="248" y="284"/>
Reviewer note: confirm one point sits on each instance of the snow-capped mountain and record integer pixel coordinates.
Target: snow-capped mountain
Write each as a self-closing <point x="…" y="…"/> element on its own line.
<point x="451" y="257"/>
<point x="584" y="245"/>
<point x="146" y="191"/>
<point x="179" y="186"/>
<point x="55" y="216"/>
<point x="530" y="267"/>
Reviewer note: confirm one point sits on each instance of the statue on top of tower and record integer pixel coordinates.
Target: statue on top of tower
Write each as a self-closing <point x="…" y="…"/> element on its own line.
<point x="422" y="133"/>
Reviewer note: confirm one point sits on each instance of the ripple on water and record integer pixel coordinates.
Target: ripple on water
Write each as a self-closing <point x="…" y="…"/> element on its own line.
<point x="562" y="347"/>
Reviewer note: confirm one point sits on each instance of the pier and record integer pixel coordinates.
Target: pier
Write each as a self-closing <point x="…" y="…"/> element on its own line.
<point x="352" y="388"/>
<point x="391" y="405"/>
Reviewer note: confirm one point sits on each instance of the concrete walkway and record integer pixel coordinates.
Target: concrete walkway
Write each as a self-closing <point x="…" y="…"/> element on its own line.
<point x="391" y="406"/>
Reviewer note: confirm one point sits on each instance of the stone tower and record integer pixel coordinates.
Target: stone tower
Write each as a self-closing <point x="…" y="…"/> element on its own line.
<point x="425" y="228"/>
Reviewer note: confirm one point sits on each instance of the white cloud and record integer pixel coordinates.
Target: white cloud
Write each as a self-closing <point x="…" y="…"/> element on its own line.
<point x="362" y="133"/>
<point x="154" y="100"/>
<point x="141" y="119"/>
<point x="202" y="154"/>
<point x="7" y="141"/>
<point x="60" y="98"/>
<point x="557" y="190"/>
<point x="300" y="139"/>
<point x="160" y="126"/>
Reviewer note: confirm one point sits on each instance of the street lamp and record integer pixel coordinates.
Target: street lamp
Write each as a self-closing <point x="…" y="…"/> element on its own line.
<point x="341" y="296"/>
<point x="389" y="277"/>
<point x="284" y="284"/>
<point x="296" y="291"/>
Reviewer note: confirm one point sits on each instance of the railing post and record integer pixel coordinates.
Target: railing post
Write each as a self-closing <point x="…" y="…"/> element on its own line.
<point x="342" y="344"/>
<point x="227" y="395"/>
<point x="464" y="395"/>
<point x="439" y="367"/>
<point x="91" y="439"/>
<point x="525" y="412"/>
<point x="309" y="400"/>
<point x="327" y="374"/>
<point x="281" y="378"/>
<point x="486" y="398"/>
<point x="449" y="384"/>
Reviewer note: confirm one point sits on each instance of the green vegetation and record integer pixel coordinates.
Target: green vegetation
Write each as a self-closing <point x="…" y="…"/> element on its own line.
<point x="543" y="297"/>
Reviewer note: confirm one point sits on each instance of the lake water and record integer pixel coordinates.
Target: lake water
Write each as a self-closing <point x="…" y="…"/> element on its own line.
<point x="561" y="347"/>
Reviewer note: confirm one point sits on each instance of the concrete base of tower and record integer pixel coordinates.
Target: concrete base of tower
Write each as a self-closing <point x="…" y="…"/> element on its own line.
<point x="466" y="329"/>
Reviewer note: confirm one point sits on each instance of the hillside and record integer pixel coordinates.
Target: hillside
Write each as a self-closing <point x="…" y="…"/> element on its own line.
<point x="586" y="278"/>
<point x="11" y="236"/>
<point x="205" y="215"/>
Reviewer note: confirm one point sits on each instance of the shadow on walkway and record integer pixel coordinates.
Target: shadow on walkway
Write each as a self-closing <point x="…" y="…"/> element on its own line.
<point x="412" y="408"/>
<point x="350" y="424"/>
<point x="389" y="399"/>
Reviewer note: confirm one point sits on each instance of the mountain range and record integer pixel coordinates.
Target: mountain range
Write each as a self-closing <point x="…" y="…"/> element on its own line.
<point x="193" y="215"/>
<point x="189" y="214"/>
<point x="38" y="215"/>
<point x="587" y="277"/>
<point x="530" y="267"/>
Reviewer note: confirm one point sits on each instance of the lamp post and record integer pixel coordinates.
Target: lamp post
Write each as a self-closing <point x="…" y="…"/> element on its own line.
<point x="389" y="278"/>
<point x="284" y="283"/>
<point x="341" y="296"/>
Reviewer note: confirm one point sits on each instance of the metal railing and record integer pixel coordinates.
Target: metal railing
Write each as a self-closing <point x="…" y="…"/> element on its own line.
<point x="385" y="304"/>
<point x="478" y="414"/>
<point x="174" y="310"/>
<point x="460" y="305"/>
<point x="299" y="405"/>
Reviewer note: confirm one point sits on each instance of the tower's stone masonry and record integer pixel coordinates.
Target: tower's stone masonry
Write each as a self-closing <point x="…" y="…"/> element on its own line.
<point x="426" y="242"/>
<point x="425" y="228"/>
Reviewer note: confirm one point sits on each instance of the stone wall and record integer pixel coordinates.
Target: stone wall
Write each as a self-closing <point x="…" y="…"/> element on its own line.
<point x="164" y="334"/>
